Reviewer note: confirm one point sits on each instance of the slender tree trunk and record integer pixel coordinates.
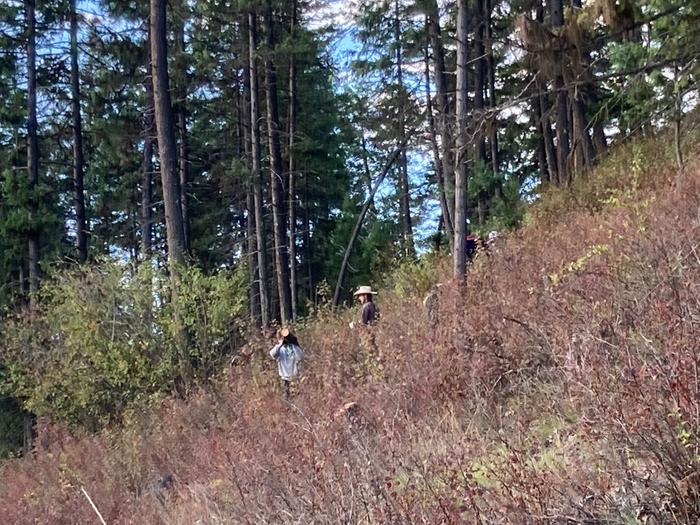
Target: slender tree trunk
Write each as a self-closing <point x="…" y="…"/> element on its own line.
<point x="582" y="140"/>
<point x="183" y="153"/>
<point x="307" y="244"/>
<point x="448" y="163"/>
<point x="491" y="69"/>
<point x="32" y="152"/>
<point x="292" y="167"/>
<point x="439" y="174"/>
<point x="276" y="175"/>
<point x="365" y="165"/>
<point x="600" y="143"/>
<point x="540" y="111"/>
<point x="543" y="118"/>
<point x="246" y="152"/>
<point x="147" y="172"/>
<point x="480" y="68"/>
<point x="461" y="174"/>
<point x="404" y="187"/>
<point x="251" y="252"/>
<point x="165" y="127"/>
<point x="677" y="122"/>
<point x="360" y="219"/>
<point x="254" y="93"/>
<point x="563" y="147"/>
<point x="479" y="80"/>
<point x="78" y="161"/>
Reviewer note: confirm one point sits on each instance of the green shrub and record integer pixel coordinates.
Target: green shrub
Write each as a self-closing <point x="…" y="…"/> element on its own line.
<point x="107" y="336"/>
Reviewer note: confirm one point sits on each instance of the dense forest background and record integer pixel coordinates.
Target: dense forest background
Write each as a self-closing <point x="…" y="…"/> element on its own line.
<point x="173" y="175"/>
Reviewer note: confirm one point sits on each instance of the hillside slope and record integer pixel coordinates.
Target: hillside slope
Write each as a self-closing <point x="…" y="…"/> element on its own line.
<point x="563" y="388"/>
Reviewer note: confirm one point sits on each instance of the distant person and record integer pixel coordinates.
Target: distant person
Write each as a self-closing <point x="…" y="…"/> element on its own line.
<point x="289" y="356"/>
<point x="431" y="303"/>
<point x="368" y="313"/>
<point x="368" y="316"/>
<point x="471" y="246"/>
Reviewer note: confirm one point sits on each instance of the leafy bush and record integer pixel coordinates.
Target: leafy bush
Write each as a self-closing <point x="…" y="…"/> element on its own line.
<point x="106" y="336"/>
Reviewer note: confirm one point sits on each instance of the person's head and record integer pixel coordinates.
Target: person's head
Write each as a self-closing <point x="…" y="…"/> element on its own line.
<point x="286" y="337"/>
<point x="364" y="294"/>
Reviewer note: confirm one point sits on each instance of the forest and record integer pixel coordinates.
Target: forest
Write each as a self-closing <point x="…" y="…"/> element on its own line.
<point x="178" y="179"/>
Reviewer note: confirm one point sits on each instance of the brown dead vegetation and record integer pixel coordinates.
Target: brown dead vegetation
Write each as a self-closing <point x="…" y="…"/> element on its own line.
<point x="561" y="387"/>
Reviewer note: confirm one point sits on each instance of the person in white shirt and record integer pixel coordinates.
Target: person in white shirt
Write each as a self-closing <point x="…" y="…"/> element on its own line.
<point x="289" y="356"/>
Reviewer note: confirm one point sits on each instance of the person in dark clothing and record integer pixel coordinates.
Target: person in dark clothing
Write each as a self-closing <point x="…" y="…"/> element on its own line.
<point x="471" y="246"/>
<point x="369" y="310"/>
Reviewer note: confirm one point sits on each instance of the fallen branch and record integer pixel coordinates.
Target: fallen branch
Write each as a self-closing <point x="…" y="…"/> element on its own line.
<point x="94" y="507"/>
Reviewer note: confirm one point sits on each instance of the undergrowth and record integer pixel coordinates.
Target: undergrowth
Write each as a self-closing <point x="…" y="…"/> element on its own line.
<point x="560" y="386"/>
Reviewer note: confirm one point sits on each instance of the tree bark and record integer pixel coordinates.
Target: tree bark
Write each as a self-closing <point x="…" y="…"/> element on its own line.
<point x="439" y="174"/>
<point x="479" y="80"/>
<point x="165" y="128"/>
<point x="32" y="153"/>
<point x="404" y="187"/>
<point x="254" y="96"/>
<point x="147" y="171"/>
<point x="563" y="147"/>
<point x="443" y="106"/>
<point x="78" y="160"/>
<point x="491" y="74"/>
<point x="276" y="174"/>
<point x="541" y="114"/>
<point x="459" y="256"/>
<point x="307" y="245"/>
<point x="583" y="145"/>
<point x="183" y="153"/>
<point x="292" y="165"/>
<point x="246" y="153"/>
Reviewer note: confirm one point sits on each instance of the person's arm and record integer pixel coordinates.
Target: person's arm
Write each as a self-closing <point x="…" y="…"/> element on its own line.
<point x="275" y="352"/>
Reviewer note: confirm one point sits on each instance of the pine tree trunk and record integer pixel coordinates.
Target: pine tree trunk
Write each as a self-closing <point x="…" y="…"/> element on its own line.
<point x="446" y="217"/>
<point x="276" y="175"/>
<point x="491" y="67"/>
<point x="461" y="175"/>
<point x="32" y="153"/>
<point x="600" y="143"/>
<point x="443" y="106"/>
<point x="311" y="286"/>
<point x="480" y="80"/>
<point x="582" y="140"/>
<point x="292" y="167"/>
<point x="365" y="165"/>
<point x="360" y="219"/>
<point x="147" y="171"/>
<point x="563" y="145"/>
<point x="165" y="128"/>
<point x="251" y="253"/>
<point x="254" y="97"/>
<point x="78" y="161"/>
<point x="183" y="154"/>
<point x="541" y="111"/>
<point x="404" y="187"/>
<point x="245" y="152"/>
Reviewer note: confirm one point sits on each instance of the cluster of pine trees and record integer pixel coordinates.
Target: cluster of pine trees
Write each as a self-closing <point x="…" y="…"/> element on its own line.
<point x="234" y="134"/>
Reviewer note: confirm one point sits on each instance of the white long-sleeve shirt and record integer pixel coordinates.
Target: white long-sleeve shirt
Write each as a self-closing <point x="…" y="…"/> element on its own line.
<point x="288" y="358"/>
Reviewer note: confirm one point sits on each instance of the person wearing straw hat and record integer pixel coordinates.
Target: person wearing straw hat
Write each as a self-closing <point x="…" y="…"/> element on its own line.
<point x="288" y="355"/>
<point x="364" y="295"/>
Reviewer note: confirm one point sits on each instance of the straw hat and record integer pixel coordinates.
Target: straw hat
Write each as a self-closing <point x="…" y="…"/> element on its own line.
<point x="364" y="290"/>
